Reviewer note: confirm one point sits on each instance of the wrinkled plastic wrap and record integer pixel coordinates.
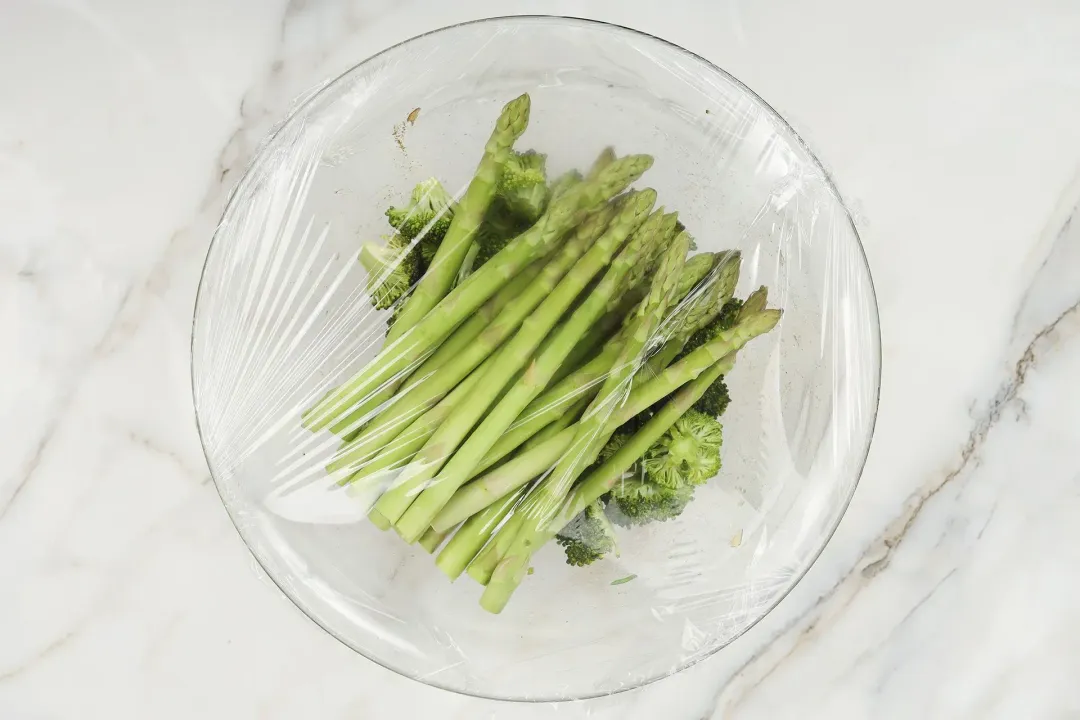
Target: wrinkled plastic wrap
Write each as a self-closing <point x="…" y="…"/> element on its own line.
<point x="283" y="317"/>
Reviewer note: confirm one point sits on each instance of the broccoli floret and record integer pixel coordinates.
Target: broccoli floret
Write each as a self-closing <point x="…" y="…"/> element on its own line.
<point x="588" y="537"/>
<point x="392" y="270"/>
<point x="687" y="454"/>
<point x="729" y="315"/>
<point x="715" y="399"/>
<point x="523" y="185"/>
<point x="429" y="204"/>
<point x="500" y="226"/>
<point x="635" y="501"/>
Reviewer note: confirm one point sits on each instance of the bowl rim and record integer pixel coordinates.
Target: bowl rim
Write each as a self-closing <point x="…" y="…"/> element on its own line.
<point x="306" y="99"/>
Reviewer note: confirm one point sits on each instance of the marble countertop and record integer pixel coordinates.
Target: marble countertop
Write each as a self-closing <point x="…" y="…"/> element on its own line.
<point x="949" y="589"/>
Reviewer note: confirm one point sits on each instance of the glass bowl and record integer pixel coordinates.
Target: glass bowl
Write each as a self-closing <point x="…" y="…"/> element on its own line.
<point x="282" y="316"/>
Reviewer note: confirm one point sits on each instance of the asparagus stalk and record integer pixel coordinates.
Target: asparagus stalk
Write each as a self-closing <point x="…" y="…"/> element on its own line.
<point x="457" y="343"/>
<point x="512" y="358"/>
<point x="413" y="400"/>
<point x="476" y="531"/>
<point x="404" y="354"/>
<point x="461" y="466"/>
<point x="586" y="381"/>
<point x="534" y="460"/>
<point x="432" y="540"/>
<point x="442" y="272"/>
<point x="544" y="502"/>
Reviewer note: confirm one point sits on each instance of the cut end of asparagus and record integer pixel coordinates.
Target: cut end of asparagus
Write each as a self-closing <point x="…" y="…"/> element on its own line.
<point x="378" y="519"/>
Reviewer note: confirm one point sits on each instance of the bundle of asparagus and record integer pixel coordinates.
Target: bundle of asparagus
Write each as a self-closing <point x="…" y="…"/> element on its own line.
<point x="554" y="364"/>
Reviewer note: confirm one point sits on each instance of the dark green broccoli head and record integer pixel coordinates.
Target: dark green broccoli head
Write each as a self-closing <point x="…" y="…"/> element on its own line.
<point x="715" y="400"/>
<point x="588" y="537"/>
<point x="635" y="501"/>
<point x="429" y="204"/>
<point x="687" y="454"/>
<point x="725" y="320"/>
<point x="392" y="270"/>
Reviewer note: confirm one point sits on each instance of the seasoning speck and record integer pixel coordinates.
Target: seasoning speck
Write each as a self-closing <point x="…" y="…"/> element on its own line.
<point x="413" y="115"/>
<point x="621" y="581"/>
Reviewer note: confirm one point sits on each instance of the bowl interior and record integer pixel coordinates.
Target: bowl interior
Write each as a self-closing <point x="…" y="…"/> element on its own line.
<point x="282" y="316"/>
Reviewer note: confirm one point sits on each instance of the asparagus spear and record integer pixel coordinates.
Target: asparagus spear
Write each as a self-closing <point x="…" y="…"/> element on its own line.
<point x="415" y="399"/>
<point x="544" y="502"/>
<point x="512" y="357"/>
<point x="442" y="271"/>
<point x="531" y="462"/>
<point x="461" y="339"/>
<point x="432" y="540"/>
<point x="461" y="466"/>
<point x="406" y="352"/>
<point x="473" y="534"/>
<point x="586" y="381"/>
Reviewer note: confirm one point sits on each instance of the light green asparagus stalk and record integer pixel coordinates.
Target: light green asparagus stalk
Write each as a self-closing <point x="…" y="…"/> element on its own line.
<point x="547" y="498"/>
<point x="432" y="540"/>
<point x="542" y="367"/>
<point x="472" y="536"/>
<point x="402" y="448"/>
<point x="512" y="357"/>
<point x="413" y="400"/>
<point x="586" y="381"/>
<point x="596" y="483"/>
<point x="405" y="354"/>
<point x="468" y="216"/>
<point x="534" y="460"/>
<point x="457" y="343"/>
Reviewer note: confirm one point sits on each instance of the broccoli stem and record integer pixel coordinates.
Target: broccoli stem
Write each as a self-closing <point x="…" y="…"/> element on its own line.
<point x="407" y="351"/>
<point x="545" y="500"/>
<point x="473" y="534"/>
<point x="443" y="270"/>
<point x="417" y="396"/>
<point x="633" y="213"/>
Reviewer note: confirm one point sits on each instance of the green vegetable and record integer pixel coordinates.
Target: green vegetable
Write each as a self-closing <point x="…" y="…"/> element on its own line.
<point x="548" y="497"/>
<point x="392" y="269"/>
<point x="444" y="266"/>
<point x="687" y="454"/>
<point x="412" y="518"/>
<point x="427" y="216"/>
<point x="365" y="390"/>
<point x="523" y="186"/>
<point x="588" y="537"/>
<point x="554" y="365"/>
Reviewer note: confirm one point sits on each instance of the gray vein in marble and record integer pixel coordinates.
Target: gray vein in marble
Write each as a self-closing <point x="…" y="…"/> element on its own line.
<point x="40" y="655"/>
<point x="64" y="404"/>
<point x="877" y="557"/>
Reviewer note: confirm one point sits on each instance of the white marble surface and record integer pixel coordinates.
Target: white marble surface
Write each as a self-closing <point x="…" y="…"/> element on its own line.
<point x="948" y="592"/>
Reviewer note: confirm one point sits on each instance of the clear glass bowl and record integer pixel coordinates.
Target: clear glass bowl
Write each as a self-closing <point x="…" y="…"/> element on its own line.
<point x="281" y="316"/>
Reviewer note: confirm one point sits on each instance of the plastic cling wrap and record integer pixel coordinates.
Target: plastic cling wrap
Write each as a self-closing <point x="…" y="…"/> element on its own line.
<point x="535" y="358"/>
